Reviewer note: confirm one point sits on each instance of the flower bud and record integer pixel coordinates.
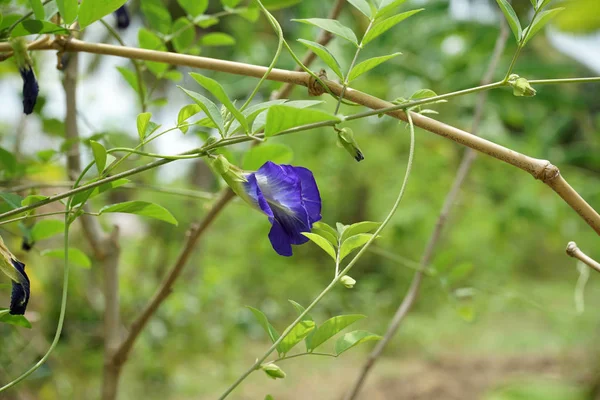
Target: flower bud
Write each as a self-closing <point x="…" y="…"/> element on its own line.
<point x="347" y="141"/>
<point x="122" y="15"/>
<point x="521" y="86"/>
<point x="348" y="281"/>
<point x="273" y="371"/>
<point x="30" y="85"/>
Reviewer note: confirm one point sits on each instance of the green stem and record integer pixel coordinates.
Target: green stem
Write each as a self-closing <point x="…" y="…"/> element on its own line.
<point x="305" y="354"/>
<point x="520" y="46"/>
<point x="33" y="216"/>
<point x="356" y="53"/>
<point x="61" y="317"/>
<point x="566" y="80"/>
<point x="260" y="360"/>
<point x="277" y="28"/>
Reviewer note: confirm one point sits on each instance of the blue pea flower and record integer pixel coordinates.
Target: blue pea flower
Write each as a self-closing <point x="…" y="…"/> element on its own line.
<point x="288" y="195"/>
<point x="15" y="270"/>
<point x="122" y="15"/>
<point x="30" y="89"/>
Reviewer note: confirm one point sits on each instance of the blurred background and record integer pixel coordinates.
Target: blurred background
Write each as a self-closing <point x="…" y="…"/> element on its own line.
<point x="503" y="314"/>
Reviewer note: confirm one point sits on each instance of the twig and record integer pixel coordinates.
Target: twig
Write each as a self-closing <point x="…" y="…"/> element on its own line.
<point x="463" y="170"/>
<point x="575" y="252"/>
<point x="121" y="354"/>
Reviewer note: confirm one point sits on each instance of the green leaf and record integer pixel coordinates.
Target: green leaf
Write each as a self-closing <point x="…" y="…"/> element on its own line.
<point x="68" y="10"/>
<point x="511" y="18"/>
<point x="217" y="90"/>
<point x="142" y="124"/>
<point x="35" y="27"/>
<point x="324" y="55"/>
<point x="183" y="34"/>
<point x="362" y="6"/>
<point x="387" y="7"/>
<point x="332" y="26"/>
<point x="352" y="339"/>
<point x="264" y="322"/>
<point x="296" y="335"/>
<point x="131" y="78"/>
<point x="38" y="9"/>
<point x="360" y="227"/>
<point x="88" y="194"/>
<point x="542" y="19"/>
<point x="383" y="26"/>
<point x="217" y="39"/>
<point x="257" y="156"/>
<point x="324" y="227"/>
<point x="322" y="243"/>
<point x="269" y="397"/>
<point x="210" y="108"/>
<point x="32" y="199"/>
<point x="368" y="65"/>
<point x="99" y="155"/>
<point x="76" y="256"/>
<point x="185" y="113"/>
<point x="92" y="10"/>
<point x="47" y="228"/>
<point x="330" y="238"/>
<point x="157" y="15"/>
<point x="332" y="327"/>
<point x="194" y="7"/>
<point x="341" y="228"/>
<point x="16" y="320"/>
<point x="149" y="40"/>
<point x="352" y="243"/>
<point x="283" y="117"/>
<point x="13" y="200"/>
<point x="543" y="3"/>
<point x="143" y="208"/>
<point x="299" y="308"/>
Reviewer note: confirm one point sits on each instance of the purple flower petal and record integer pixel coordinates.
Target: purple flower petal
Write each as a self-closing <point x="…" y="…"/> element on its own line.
<point x="280" y="240"/>
<point x="256" y="194"/>
<point x="310" y="193"/>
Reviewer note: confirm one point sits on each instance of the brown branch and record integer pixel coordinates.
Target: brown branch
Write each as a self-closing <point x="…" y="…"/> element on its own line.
<point x="575" y="252"/>
<point x="463" y="170"/>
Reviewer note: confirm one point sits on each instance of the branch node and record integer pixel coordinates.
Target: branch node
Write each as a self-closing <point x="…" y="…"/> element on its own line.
<point x="547" y="173"/>
<point x="572" y="249"/>
<point x="314" y="86"/>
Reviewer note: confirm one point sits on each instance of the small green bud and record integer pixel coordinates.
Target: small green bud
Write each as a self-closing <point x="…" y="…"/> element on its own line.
<point x="273" y="371"/>
<point x="521" y="86"/>
<point x="348" y="281"/>
<point x="347" y="141"/>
